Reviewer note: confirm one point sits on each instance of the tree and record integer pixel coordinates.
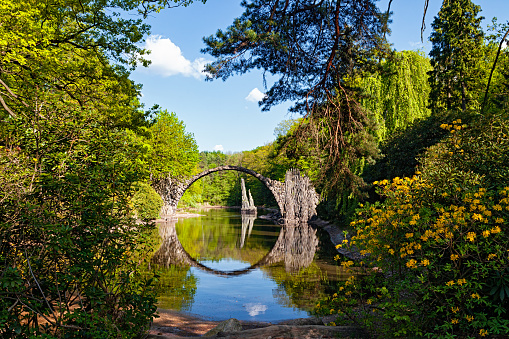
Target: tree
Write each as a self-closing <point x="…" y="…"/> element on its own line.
<point x="69" y="156"/>
<point x="397" y="94"/>
<point x="456" y="56"/>
<point x="172" y="151"/>
<point x="314" y="47"/>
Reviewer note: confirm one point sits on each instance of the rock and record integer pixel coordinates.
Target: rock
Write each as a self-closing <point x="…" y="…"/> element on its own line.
<point x="302" y="321"/>
<point x="228" y="326"/>
<point x="301" y="332"/>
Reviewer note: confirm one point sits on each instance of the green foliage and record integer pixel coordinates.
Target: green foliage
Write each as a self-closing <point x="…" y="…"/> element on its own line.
<point x="172" y="150"/>
<point x="219" y="188"/>
<point x="69" y="157"/>
<point x="147" y="203"/>
<point x="223" y="188"/>
<point x="316" y="49"/>
<point x="69" y="242"/>
<point x="457" y="57"/>
<point x="498" y="97"/>
<point x="439" y="240"/>
<point x="402" y="150"/>
<point x="397" y="94"/>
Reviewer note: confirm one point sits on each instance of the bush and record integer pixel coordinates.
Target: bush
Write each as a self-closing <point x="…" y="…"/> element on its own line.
<point x="146" y="201"/>
<point x="439" y="241"/>
<point x="68" y="243"/>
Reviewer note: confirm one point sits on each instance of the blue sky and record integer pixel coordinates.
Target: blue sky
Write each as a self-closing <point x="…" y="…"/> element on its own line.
<point x="225" y="115"/>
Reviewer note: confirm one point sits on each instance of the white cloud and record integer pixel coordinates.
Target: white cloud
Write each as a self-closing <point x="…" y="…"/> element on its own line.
<point x="218" y="148"/>
<point x="255" y="309"/>
<point x="167" y="59"/>
<point x="416" y="44"/>
<point x="255" y="95"/>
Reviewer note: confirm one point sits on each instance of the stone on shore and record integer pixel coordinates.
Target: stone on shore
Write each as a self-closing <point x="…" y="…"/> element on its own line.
<point x="228" y="326"/>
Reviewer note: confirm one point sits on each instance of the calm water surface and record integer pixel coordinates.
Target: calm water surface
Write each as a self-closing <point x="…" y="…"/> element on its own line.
<point x="226" y="265"/>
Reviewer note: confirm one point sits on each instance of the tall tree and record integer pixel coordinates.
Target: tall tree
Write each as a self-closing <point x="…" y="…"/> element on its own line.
<point x="314" y="47"/>
<point x="68" y="160"/>
<point x="173" y="151"/>
<point x="456" y="56"/>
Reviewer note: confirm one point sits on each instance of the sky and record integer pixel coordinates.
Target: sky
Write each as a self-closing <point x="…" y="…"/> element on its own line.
<point x="224" y="115"/>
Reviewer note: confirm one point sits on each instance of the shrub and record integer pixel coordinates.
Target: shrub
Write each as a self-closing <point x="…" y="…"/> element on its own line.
<point x="146" y="201"/>
<point x="439" y="241"/>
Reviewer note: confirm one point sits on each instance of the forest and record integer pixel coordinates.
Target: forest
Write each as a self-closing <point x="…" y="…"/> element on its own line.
<point x="408" y="152"/>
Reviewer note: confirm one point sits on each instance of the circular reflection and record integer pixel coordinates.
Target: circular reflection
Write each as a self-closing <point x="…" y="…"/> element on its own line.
<point x="295" y="247"/>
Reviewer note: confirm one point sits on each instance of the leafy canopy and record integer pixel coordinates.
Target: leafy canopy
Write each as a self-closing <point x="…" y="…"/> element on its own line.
<point x="315" y="49"/>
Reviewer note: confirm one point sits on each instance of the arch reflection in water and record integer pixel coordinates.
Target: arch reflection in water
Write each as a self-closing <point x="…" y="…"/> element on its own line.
<point x="295" y="247"/>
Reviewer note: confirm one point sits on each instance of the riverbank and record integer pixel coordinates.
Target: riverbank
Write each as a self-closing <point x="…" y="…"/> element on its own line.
<point x="188" y="326"/>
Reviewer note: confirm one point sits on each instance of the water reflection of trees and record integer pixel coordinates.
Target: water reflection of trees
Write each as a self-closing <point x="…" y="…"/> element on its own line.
<point x="176" y="285"/>
<point x="295" y="248"/>
<point x="289" y="263"/>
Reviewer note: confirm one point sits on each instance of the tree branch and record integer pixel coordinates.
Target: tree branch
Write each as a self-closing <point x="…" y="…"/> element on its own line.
<point x="493" y="70"/>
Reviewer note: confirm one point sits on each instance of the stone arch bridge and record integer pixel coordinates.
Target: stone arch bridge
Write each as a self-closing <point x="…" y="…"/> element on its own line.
<point x="296" y="196"/>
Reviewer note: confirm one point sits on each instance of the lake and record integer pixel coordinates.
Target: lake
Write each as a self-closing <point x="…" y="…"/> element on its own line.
<point x="227" y="265"/>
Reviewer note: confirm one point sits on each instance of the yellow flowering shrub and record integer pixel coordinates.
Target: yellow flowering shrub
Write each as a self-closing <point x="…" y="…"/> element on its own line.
<point x="437" y="247"/>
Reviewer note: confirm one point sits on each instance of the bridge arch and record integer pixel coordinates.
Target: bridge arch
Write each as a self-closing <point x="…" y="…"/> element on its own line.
<point x="296" y="196"/>
<point x="172" y="191"/>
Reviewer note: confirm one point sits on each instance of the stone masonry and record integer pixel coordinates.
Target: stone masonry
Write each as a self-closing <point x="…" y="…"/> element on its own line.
<point x="296" y="197"/>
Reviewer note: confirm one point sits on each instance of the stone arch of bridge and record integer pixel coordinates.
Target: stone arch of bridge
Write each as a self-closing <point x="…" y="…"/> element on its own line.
<point x="172" y="191"/>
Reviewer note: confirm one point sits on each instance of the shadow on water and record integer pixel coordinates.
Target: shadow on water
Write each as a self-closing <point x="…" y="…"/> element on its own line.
<point x="273" y="272"/>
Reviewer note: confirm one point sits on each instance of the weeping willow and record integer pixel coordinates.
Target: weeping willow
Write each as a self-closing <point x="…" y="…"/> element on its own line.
<point x="398" y="94"/>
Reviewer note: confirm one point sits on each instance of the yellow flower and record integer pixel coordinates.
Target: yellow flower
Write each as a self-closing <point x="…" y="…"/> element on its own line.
<point x="495" y="230"/>
<point x="497" y="208"/>
<point x="471" y="236"/>
<point x="486" y="233"/>
<point x="476" y="296"/>
<point x="491" y="256"/>
<point x="369" y="301"/>
<point x="477" y="216"/>
<point x="454" y="321"/>
<point x="461" y="281"/>
<point x="469" y="318"/>
<point x="409" y="235"/>
<point x="454" y="257"/>
<point x="411" y="263"/>
<point x="425" y="262"/>
<point x="483" y="332"/>
<point x="347" y="264"/>
<point x="450" y="283"/>
<point x="455" y="309"/>
<point x="499" y="221"/>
